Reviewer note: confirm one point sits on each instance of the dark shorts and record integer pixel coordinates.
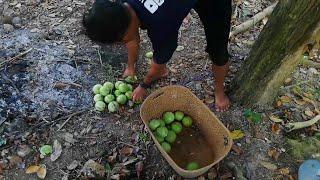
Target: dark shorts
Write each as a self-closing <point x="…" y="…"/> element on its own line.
<point x="215" y="16"/>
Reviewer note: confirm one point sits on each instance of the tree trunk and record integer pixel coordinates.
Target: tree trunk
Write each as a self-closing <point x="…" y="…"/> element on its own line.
<point x="277" y="51"/>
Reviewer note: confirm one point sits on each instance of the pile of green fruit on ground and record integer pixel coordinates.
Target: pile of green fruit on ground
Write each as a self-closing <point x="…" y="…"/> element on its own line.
<point x="113" y="95"/>
<point x="167" y="128"/>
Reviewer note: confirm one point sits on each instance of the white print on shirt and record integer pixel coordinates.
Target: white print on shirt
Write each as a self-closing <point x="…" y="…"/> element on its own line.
<point x="152" y="5"/>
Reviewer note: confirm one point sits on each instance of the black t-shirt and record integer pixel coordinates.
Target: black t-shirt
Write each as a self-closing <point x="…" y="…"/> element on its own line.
<point x="162" y="19"/>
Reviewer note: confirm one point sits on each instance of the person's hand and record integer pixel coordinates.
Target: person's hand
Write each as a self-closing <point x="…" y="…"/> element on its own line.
<point x="138" y="94"/>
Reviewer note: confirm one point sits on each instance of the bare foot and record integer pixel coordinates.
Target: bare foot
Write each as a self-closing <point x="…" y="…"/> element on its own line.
<point x="222" y="102"/>
<point x="162" y="74"/>
<point x="129" y="72"/>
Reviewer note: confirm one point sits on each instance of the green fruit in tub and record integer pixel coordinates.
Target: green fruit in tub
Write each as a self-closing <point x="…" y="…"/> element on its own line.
<point x="178" y="115"/>
<point x="168" y="117"/>
<point x="166" y="146"/>
<point x="162" y="131"/>
<point x="187" y="121"/>
<point x="154" y="124"/>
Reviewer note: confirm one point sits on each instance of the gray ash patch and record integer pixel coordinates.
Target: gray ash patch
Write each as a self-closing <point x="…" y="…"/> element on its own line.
<point x="27" y="85"/>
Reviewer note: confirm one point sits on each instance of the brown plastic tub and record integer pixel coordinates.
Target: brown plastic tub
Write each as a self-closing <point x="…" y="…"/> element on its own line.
<point x="173" y="98"/>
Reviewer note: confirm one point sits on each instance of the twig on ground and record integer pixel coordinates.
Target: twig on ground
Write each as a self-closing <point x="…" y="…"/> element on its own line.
<point x="15" y="57"/>
<point x="299" y="125"/>
<point x="251" y="22"/>
<point x="61" y="126"/>
<point x="100" y="59"/>
<point x="59" y="119"/>
<point x="130" y="161"/>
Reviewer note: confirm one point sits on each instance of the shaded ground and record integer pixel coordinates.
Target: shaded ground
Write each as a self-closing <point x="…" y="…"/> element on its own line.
<point x="40" y="91"/>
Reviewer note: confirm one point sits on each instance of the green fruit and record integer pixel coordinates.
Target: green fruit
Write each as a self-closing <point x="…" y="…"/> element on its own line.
<point x="166" y="146"/>
<point x="46" y="150"/>
<point x="187" y="121"/>
<point x="178" y="115"/>
<point x="171" y="137"/>
<point x="123" y="87"/>
<point x="129" y="95"/>
<point x="116" y="85"/>
<point x="159" y="138"/>
<point x="154" y="124"/>
<point x="109" y="85"/>
<point x="192" y="166"/>
<point x="100" y="105"/>
<point x="96" y="88"/>
<point x="117" y="93"/>
<point x="130" y="88"/>
<point x="109" y="98"/>
<point x="104" y="91"/>
<point x="149" y="54"/>
<point x="162" y="131"/>
<point x="176" y="127"/>
<point x="113" y="106"/>
<point x="162" y="123"/>
<point x="131" y="79"/>
<point x="98" y="97"/>
<point x="168" y="117"/>
<point x="122" y="99"/>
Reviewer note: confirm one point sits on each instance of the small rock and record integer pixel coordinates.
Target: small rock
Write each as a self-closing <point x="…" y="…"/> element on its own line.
<point x="6" y="20"/>
<point x="73" y="165"/>
<point x="95" y="130"/>
<point x="23" y="150"/>
<point x="198" y="86"/>
<point x="68" y="137"/>
<point x="313" y="70"/>
<point x="8" y="28"/>
<point x="173" y="80"/>
<point x="287" y="81"/>
<point x="16" y="22"/>
<point x="212" y="175"/>
<point x="91" y="168"/>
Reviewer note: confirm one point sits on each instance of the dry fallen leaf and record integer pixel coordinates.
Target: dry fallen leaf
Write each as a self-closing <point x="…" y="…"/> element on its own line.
<point x="32" y="169"/>
<point x="139" y="168"/>
<point x="126" y="151"/>
<point x="236" y="149"/>
<point x="300" y="102"/>
<point x="92" y="166"/>
<point x="279" y="103"/>
<point x="268" y="165"/>
<point x="226" y="176"/>
<point x="112" y="158"/>
<point x="273" y="153"/>
<point x="236" y="134"/>
<point x="14" y="160"/>
<point x="284" y="171"/>
<point x="276" y="128"/>
<point x="57" y="150"/>
<point x="42" y="172"/>
<point x="275" y="119"/>
<point x="309" y="113"/>
<point x="285" y="99"/>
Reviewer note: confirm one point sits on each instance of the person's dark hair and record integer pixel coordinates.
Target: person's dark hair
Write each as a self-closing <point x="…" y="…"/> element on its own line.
<point x="106" y="22"/>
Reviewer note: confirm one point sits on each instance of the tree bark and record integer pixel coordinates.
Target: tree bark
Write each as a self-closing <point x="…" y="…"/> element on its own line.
<point x="277" y="51"/>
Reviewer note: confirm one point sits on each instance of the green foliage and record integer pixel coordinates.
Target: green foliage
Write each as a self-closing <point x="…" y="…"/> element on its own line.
<point x="252" y="116"/>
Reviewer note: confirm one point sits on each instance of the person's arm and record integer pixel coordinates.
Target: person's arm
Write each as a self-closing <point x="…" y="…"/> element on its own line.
<point x="133" y="51"/>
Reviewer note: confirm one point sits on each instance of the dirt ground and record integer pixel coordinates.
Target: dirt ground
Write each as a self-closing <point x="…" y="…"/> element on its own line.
<point x="48" y="67"/>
